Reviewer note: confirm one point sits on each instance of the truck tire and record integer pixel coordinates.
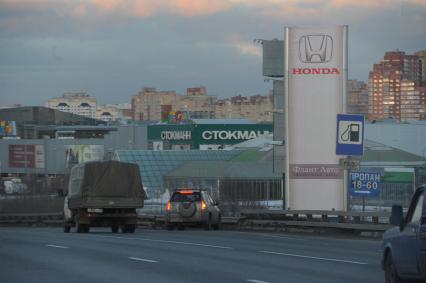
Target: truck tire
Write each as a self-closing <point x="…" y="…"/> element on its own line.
<point x="131" y="228"/>
<point x="391" y="275"/>
<point x="114" y="228"/>
<point x="67" y="228"/>
<point x="128" y="228"/>
<point x="82" y="228"/>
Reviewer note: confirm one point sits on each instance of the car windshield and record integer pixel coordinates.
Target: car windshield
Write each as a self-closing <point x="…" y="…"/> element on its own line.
<point x="183" y="197"/>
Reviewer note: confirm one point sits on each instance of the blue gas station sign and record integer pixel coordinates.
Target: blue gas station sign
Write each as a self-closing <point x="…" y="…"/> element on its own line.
<point x="350" y="134"/>
<point x="364" y="184"/>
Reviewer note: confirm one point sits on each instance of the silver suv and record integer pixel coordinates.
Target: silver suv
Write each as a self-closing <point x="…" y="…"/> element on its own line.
<point x="190" y="207"/>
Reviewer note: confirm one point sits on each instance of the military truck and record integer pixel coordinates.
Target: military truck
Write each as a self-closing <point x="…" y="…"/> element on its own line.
<point x="103" y="194"/>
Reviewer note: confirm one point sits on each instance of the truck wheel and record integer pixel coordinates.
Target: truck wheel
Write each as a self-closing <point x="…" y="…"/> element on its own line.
<point x="131" y="228"/>
<point x="67" y="228"/>
<point x="80" y="228"/>
<point x="83" y="228"/>
<point x="124" y="229"/>
<point x="391" y="275"/>
<point x="170" y="226"/>
<point x="114" y="228"/>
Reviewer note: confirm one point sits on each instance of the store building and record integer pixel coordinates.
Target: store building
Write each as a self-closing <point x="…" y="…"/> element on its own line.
<point x="204" y="134"/>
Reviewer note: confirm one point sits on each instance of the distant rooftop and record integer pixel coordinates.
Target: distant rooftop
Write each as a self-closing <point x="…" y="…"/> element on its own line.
<point x="223" y="121"/>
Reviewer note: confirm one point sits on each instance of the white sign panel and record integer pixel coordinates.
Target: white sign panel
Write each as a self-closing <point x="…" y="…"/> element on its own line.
<point x="315" y="82"/>
<point x="350" y="132"/>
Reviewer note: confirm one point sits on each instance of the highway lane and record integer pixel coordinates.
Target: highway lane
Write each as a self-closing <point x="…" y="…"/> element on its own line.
<point x="49" y="255"/>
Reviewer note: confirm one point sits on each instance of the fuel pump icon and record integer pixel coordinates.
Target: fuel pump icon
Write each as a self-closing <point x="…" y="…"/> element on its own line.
<point x="351" y="134"/>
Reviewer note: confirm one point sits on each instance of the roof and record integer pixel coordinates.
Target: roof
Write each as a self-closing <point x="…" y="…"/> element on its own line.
<point x="224" y="170"/>
<point x="154" y="164"/>
<point x="373" y="151"/>
<point x="378" y="152"/>
<point x="223" y="121"/>
<point x="248" y="164"/>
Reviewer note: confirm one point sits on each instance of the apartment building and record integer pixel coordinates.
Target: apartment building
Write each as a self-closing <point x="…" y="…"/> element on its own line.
<point x="79" y="103"/>
<point x="422" y="58"/>
<point x="149" y="104"/>
<point x="257" y="108"/>
<point x="198" y="103"/>
<point x="357" y="97"/>
<point x="393" y="88"/>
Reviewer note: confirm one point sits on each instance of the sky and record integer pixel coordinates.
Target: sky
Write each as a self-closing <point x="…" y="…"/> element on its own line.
<point x="113" y="48"/>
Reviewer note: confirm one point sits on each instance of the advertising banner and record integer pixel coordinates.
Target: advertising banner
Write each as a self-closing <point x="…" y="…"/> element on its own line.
<point x="79" y="153"/>
<point x="364" y="184"/>
<point x="315" y="81"/>
<point x="7" y="128"/>
<point x="26" y="156"/>
<point x="176" y="117"/>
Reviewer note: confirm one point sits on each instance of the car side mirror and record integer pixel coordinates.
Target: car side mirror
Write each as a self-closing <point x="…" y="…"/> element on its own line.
<point x="397" y="217"/>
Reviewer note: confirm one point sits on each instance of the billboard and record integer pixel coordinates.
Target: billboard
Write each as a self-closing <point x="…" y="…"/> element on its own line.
<point x="26" y="156"/>
<point x="79" y="153"/>
<point x="175" y="117"/>
<point x="315" y="67"/>
<point x="7" y="128"/>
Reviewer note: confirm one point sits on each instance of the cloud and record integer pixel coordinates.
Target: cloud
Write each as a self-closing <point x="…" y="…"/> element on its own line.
<point x="91" y="11"/>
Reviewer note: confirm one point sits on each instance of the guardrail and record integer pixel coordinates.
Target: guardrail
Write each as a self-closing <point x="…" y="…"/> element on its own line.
<point x="32" y="218"/>
<point x="259" y="219"/>
<point x="356" y="221"/>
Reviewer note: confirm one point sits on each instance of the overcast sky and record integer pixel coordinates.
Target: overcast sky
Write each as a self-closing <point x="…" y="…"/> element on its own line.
<point x="114" y="48"/>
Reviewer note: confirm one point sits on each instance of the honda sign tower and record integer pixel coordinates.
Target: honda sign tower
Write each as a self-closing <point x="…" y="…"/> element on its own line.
<point x="315" y="76"/>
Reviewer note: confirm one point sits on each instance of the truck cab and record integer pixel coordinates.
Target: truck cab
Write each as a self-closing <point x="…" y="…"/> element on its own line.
<point x="404" y="246"/>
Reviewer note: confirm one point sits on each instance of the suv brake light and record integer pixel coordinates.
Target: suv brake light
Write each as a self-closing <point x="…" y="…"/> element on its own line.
<point x="169" y="206"/>
<point x="203" y="205"/>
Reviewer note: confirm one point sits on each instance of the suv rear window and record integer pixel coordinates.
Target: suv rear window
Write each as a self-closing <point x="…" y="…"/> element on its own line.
<point x="182" y="197"/>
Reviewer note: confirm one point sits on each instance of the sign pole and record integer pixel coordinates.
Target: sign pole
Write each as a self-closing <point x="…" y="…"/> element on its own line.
<point x="345" y="190"/>
<point x="363" y="203"/>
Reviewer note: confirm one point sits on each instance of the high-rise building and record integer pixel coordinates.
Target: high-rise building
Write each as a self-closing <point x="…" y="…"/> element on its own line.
<point x="422" y="58"/>
<point x="198" y="103"/>
<point x="149" y="103"/>
<point x="257" y="108"/>
<point x="393" y="88"/>
<point x="357" y="97"/>
<point x="79" y="103"/>
<point x="113" y="112"/>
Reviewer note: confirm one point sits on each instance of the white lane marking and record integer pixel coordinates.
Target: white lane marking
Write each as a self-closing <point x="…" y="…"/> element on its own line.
<point x="256" y="281"/>
<point x="171" y="242"/>
<point x="143" y="259"/>
<point x="314" y="257"/>
<point x="57" y="247"/>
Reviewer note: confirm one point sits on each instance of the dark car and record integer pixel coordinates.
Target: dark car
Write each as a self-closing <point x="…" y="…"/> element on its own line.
<point x="188" y="207"/>
<point x="404" y="247"/>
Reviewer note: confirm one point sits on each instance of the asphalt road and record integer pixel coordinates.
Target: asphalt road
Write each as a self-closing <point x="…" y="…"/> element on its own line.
<point x="49" y="255"/>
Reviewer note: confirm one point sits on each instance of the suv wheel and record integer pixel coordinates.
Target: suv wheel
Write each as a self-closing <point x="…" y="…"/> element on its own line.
<point x="391" y="275"/>
<point x="208" y="225"/>
<point x="170" y="226"/>
<point x="181" y="227"/>
<point x="217" y="225"/>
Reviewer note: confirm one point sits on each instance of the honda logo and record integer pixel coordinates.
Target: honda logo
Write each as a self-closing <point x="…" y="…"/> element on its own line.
<point x="315" y="48"/>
